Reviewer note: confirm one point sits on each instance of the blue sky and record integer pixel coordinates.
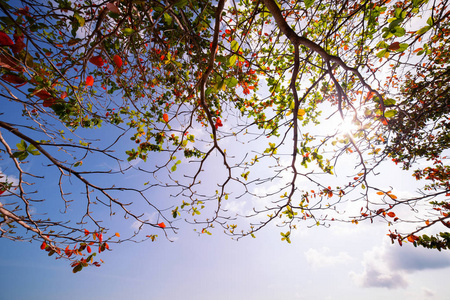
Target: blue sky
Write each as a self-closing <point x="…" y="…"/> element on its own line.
<point x="345" y="261"/>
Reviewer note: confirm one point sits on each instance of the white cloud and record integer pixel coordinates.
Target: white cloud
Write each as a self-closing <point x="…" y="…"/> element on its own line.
<point x="323" y="258"/>
<point x="377" y="272"/>
<point x="388" y="266"/>
<point x="235" y="207"/>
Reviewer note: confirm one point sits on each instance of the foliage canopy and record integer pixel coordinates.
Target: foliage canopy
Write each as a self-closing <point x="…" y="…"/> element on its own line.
<point x="258" y="103"/>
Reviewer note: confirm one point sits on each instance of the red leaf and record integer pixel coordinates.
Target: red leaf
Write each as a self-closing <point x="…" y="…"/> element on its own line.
<point x="90" y="80"/>
<point x="48" y="102"/>
<point x="97" y="60"/>
<point x="44" y="245"/>
<point x="5" y="40"/>
<point x="86" y="232"/>
<point x="88" y="249"/>
<point x="117" y="60"/>
<point x="7" y="62"/>
<point x="112" y="8"/>
<point x="19" y="45"/>
<point x="162" y="225"/>
<point x="166" y="118"/>
<point x="394" y="46"/>
<point x="446" y="224"/>
<point x="64" y="95"/>
<point x="11" y="78"/>
<point x="43" y="94"/>
<point x="218" y="123"/>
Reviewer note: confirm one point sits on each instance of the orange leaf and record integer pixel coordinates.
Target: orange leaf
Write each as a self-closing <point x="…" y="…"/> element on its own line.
<point x="166" y="118"/>
<point x="410" y="239"/>
<point x="90" y="80"/>
<point x="117" y="234"/>
<point x="391" y="214"/>
<point x="380" y="193"/>
<point x="392" y="196"/>
<point x="162" y="225"/>
<point x="117" y="60"/>
<point x="427" y="222"/>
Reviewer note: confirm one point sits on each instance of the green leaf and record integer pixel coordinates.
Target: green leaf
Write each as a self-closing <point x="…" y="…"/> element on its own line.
<point x="79" y="19"/>
<point x="399" y="31"/>
<point x="22" y="146"/>
<point x="423" y="30"/>
<point x="389" y="102"/>
<point x="175" y="213"/>
<point x="430" y="21"/>
<point x="77" y="268"/>
<point x="32" y="150"/>
<point x="231" y="82"/>
<point x="127" y="31"/>
<point x="403" y="47"/>
<point x="308" y="3"/>
<point x="390" y="113"/>
<point x="381" y="54"/>
<point x="232" y="60"/>
<point x="181" y="3"/>
<point x="234" y="46"/>
<point x="167" y="18"/>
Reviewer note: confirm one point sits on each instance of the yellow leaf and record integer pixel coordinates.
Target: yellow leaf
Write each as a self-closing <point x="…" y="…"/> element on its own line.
<point x="301" y="112"/>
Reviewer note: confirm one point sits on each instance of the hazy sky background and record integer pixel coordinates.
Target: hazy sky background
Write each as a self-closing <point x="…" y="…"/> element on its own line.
<point x="343" y="262"/>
